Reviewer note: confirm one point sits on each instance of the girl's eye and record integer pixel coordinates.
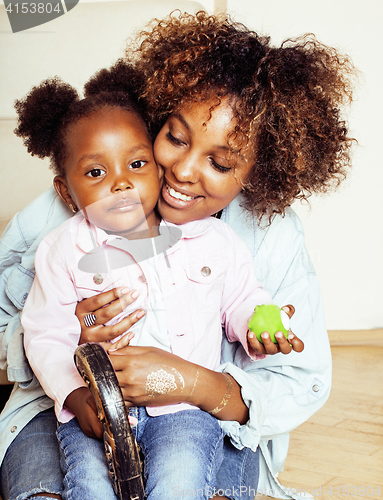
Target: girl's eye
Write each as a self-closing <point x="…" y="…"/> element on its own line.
<point x="137" y="164"/>
<point x="174" y="140"/>
<point x="96" y="172"/>
<point x="219" y="167"/>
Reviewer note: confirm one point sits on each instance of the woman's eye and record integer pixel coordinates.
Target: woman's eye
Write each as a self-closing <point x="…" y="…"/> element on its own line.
<point x="137" y="164"/>
<point x="95" y="172"/>
<point x="219" y="167"/>
<point x="174" y="140"/>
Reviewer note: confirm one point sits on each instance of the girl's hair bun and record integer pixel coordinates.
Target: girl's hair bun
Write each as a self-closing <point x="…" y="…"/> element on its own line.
<point x="41" y="114"/>
<point x="121" y="77"/>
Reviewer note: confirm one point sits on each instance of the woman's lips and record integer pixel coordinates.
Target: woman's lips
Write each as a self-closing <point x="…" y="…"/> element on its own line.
<point x="176" y="199"/>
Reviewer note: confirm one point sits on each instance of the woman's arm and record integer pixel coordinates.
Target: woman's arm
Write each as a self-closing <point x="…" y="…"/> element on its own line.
<point x="18" y="245"/>
<point x="207" y="389"/>
<point x="298" y="383"/>
<point x="203" y="388"/>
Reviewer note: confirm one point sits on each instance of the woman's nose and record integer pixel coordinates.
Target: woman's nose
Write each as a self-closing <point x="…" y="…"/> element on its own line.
<point x="185" y="169"/>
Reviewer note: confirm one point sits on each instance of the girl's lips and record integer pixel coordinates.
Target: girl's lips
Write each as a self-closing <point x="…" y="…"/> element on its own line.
<point x="124" y="206"/>
<point x="177" y="199"/>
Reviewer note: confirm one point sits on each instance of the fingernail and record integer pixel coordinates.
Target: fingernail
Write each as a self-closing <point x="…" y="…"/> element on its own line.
<point x="123" y="291"/>
<point x="251" y="335"/>
<point x="140" y="314"/>
<point x="265" y="335"/>
<point x="130" y="335"/>
<point x="135" y="294"/>
<point x="279" y="335"/>
<point x="290" y="337"/>
<point x="133" y="421"/>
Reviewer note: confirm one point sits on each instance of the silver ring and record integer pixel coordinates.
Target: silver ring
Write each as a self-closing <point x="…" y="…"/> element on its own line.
<point x="89" y="319"/>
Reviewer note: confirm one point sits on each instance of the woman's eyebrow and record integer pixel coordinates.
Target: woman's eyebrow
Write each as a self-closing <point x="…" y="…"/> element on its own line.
<point x="221" y="147"/>
<point x="180" y="118"/>
<point x="186" y="125"/>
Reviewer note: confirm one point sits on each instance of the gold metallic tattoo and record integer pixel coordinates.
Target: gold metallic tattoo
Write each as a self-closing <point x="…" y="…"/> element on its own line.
<point x="163" y="380"/>
<point x="195" y="383"/>
<point x="226" y="397"/>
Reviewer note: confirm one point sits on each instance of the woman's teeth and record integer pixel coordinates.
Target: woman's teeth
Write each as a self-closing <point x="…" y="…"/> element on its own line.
<point x="178" y="195"/>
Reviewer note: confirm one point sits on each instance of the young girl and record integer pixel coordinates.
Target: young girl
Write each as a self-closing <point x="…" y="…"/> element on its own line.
<point x="203" y="280"/>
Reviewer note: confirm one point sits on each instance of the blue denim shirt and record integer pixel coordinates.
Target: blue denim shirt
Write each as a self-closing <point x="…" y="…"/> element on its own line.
<point x="281" y="391"/>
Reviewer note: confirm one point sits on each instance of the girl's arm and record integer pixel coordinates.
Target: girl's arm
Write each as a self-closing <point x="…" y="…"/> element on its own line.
<point x="51" y="329"/>
<point x="81" y="403"/>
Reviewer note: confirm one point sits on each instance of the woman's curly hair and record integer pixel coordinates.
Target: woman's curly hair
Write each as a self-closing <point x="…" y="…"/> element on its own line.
<point x="286" y="100"/>
<point x="47" y="111"/>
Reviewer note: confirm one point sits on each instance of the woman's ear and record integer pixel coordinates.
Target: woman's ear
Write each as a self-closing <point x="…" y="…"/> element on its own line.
<point x="62" y="190"/>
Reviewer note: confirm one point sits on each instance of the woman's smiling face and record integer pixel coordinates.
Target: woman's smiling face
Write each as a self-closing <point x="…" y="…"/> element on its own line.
<point x="202" y="174"/>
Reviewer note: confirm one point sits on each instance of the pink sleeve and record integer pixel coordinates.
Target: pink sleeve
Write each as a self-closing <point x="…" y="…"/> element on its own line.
<point x="241" y="294"/>
<point x="51" y="329"/>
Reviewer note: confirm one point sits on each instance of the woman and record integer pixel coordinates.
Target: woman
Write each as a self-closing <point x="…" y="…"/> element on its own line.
<point x="279" y="111"/>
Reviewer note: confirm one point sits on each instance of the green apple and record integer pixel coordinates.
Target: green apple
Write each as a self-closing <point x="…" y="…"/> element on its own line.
<point x="269" y="318"/>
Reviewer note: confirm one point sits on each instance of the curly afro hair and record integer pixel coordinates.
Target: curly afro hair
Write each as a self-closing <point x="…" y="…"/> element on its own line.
<point x="45" y="114"/>
<point x="286" y="100"/>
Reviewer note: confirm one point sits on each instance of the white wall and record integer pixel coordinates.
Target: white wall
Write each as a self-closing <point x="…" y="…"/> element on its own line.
<point x="207" y="4"/>
<point x="344" y="231"/>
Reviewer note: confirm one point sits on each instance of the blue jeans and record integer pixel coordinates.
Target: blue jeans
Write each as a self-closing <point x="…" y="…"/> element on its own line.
<point x="238" y="475"/>
<point x="183" y="452"/>
<point x="31" y="464"/>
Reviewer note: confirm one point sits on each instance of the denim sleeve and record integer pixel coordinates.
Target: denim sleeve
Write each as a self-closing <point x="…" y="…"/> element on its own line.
<point x="12" y="248"/>
<point x="18" y="245"/>
<point x="282" y="391"/>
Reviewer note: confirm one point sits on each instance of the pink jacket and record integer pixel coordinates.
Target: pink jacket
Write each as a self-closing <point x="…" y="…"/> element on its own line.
<point x="207" y="280"/>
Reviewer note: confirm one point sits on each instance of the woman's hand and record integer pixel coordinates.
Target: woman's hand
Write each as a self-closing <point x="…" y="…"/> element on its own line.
<point x="285" y="346"/>
<point x="149" y="376"/>
<point x="138" y="369"/>
<point x="105" y="307"/>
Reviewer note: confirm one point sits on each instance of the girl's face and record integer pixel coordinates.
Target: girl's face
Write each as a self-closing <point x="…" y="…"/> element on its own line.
<point x="202" y="174"/>
<point x="110" y="172"/>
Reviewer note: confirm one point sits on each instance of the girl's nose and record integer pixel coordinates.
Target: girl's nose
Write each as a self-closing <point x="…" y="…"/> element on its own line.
<point x="121" y="183"/>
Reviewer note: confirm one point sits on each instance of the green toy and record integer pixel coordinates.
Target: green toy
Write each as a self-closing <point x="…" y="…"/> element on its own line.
<point x="269" y="318"/>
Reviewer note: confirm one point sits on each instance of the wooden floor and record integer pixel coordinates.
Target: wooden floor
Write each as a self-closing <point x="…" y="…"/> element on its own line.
<point x="338" y="453"/>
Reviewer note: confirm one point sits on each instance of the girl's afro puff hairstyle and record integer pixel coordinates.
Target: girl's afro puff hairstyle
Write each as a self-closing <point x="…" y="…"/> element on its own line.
<point x="286" y="99"/>
<point x="50" y="108"/>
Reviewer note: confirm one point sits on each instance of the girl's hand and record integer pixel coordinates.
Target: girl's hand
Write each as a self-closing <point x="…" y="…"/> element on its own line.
<point x="105" y="307"/>
<point x="81" y="403"/>
<point x="285" y="346"/>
